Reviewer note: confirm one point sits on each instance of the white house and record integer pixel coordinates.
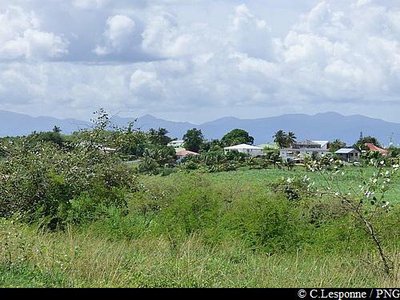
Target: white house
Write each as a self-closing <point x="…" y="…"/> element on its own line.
<point x="176" y="144"/>
<point x="247" y="149"/>
<point x="184" y="153"/>
<point x="324" y="144"/>
<point x="300" y="150"/>
<point x="348" y="154"/>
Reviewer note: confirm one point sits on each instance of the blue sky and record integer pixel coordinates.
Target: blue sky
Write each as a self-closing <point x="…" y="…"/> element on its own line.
<point x="200" y="60"/>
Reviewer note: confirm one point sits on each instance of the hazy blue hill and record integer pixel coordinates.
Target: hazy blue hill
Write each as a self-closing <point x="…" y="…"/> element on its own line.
<point x="176" y="129"/>
<point x="322" y="126"/>
<point x="12" y="124"/>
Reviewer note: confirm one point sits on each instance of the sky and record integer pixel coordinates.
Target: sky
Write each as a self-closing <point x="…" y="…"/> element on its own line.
<point x="200" y="60"/>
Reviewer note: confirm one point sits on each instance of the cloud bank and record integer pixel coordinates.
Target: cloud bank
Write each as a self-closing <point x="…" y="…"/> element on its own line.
<point x="201" y="60"/>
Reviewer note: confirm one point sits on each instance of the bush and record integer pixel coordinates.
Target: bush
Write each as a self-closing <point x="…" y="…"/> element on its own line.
<point x="292" y="188"/>
<point x="47" y="182"/>
<point x="271" y="224"/>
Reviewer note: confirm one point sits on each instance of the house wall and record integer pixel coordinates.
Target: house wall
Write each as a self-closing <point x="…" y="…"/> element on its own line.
<point x="251" y="152"/>
<point x="286" y="154"/>
<point x="349" y="157"/>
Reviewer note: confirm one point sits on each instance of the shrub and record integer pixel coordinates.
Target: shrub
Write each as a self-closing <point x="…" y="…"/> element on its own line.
<point x="47" y="182"/>
<point x="272" y="224"/>
<point x="292" y="188"/>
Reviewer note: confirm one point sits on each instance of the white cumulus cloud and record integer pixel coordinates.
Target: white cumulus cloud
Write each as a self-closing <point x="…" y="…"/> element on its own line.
<point x="118" y="35"/>
<point x="22" y="38"/>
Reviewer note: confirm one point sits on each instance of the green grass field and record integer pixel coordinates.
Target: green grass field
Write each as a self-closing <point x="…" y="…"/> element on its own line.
<point x="208" y="230"/>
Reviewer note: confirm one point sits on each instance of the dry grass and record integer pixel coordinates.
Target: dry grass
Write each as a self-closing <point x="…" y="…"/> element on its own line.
<point x="76" y="259"/>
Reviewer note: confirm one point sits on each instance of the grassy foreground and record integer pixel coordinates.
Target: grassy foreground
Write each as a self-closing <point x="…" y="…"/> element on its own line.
<point x="206" y="230"/>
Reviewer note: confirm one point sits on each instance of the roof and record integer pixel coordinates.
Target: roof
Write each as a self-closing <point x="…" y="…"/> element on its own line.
<point x="185" y="153"/>
<point x="322" y="143"/>
<point x="307" y="142"/>
<point x="346" y="150"/>
<point x="243" y="146"/>
<point x="179" y="149"/>
<point x="305" y="149"/>
<point x="372" y="147"/>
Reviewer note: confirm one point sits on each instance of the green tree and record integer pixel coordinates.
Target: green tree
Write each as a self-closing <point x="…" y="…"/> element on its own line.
<point x="213" y="145"/>
<point x="336" y="145"/>
<point x="360" y="144"/>
<point x="159" y="136"/>
<point x="56" y="129"/>
<point x="280" y="138"/>
<point x="237" y="136"/>
<point x="290" y="139"/>
<point x="47" y="136"/>
<point x="284" y="139"/>
<point x="193" y="140"/>
<point x="394" y="151"/>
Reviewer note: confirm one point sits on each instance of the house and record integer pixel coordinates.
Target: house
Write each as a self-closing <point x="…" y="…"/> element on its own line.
<point x="176" y="144"/>
<point x="184" y="153"/>
<point x="324" y="144"/>
<point x="348" y="154"/>
<point x="247" y="149"/>
<point x="300" y="150"/>
<point x="372" y="147"/>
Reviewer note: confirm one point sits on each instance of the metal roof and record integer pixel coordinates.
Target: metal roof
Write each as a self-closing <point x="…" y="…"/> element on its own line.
<point x="346" y="150"/>
<point x="322" y="143"/>
<point x="306" y="142"/>
<point x="243" y="146"/>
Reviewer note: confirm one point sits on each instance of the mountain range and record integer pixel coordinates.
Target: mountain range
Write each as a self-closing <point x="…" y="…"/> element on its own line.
<point x="322" y="126"/>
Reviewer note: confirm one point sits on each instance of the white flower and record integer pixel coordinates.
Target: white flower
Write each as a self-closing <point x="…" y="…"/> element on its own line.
<point x="368" y="194"/>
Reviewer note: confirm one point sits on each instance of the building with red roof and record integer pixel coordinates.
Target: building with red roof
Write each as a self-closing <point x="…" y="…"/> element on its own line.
<point x="183" y="153"/>
<point x="372" y="147"/>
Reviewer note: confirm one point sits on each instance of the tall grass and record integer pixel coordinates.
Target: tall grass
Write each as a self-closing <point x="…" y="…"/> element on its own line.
<point x="203" y="230"/>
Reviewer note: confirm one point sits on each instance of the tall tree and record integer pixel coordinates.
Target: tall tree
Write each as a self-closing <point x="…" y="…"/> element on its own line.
<point x="284" y="139"/>
<point x="336" y="145"/>
<point x="193" y="140"/>
<point x="360" y="144"/>
<point x="56" y="129"/>
<point x="290" y="139"/>
<point x="280" y="138"/>
<point x="237" y="136"/>
<point x="159" y="136"/>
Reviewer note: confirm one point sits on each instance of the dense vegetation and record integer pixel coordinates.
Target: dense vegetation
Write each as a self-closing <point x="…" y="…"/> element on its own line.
<point x="96" y="208"/>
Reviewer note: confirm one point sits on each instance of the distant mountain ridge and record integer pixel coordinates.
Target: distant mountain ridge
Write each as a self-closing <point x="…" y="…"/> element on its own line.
<point x="321" y="126"/>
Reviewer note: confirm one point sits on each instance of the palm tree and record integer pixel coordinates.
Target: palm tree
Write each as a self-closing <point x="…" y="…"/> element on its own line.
<point x="280" y="138"/>
<point x="290" y="139"/>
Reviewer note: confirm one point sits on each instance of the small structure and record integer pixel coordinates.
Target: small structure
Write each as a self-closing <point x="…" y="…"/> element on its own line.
<point x="108" y="149"/>
<point x="372" y="147"/>
<point x="348" y="154"/>
<point x="176" y="144"/>
<point x="300" y="150"/>
<point x="323" y="144"/>
<point x="247" y="149"/>
<point x="184" y="153"/>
